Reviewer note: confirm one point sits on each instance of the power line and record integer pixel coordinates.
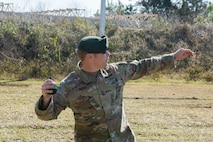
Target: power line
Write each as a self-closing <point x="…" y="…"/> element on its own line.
<point x="7" y="7"/>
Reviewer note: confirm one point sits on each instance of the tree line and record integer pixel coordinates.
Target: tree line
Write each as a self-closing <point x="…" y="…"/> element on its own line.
<point x="184" y="10"/>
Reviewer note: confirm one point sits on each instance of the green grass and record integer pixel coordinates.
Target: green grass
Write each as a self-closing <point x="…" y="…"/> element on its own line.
<point x="175" y="111"/>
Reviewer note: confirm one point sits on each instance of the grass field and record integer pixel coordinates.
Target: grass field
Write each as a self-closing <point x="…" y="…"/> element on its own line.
<point x="157" y="112"/>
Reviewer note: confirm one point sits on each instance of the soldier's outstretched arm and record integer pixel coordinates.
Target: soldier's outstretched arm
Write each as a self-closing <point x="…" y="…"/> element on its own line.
<point x="138" y="68"/>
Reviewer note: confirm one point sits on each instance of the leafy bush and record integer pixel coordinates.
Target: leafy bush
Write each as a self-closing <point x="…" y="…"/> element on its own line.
<point x="39" y="50"/>
<point x="195" y="73"/>
<point x="208" y="76"/>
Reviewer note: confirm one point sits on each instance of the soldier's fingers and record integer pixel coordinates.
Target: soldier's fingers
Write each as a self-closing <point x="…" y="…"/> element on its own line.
<point x="189" y="52"/>
<point x="47" y="92"/>
<point x="46" y="86"/>
<point x="49" y="81"/>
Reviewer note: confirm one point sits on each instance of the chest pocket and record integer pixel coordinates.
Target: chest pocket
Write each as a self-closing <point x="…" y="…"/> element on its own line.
<point x="112" y="90"/>
<point x="117" y="97"/>
<point x="111" y="95"/>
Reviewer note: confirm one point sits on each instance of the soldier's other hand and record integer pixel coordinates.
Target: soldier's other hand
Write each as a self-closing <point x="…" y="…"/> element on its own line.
<point x="182" y="53"/>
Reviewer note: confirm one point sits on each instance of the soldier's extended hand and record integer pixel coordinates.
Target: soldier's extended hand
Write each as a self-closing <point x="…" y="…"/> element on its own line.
<point x="182" y="53"/>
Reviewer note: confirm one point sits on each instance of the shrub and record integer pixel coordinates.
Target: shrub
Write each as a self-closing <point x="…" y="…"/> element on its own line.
<point x="209" y="76"/>
<point x="194" y="73"/>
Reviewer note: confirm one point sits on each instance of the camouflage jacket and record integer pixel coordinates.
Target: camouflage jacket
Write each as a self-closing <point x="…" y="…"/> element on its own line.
<point x="97" y="99"/>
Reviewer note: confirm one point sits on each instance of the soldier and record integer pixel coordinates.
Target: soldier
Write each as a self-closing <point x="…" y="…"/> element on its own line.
<point x="94" y="91"/>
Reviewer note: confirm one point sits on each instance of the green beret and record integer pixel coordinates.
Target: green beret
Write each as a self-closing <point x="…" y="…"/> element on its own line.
<point x="93" y="44"/>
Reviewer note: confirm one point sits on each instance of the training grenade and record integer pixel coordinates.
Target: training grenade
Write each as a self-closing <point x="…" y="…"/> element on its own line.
<point x="54" y="89"/>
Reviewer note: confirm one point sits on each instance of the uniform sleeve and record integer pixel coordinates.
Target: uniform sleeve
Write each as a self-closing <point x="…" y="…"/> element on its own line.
<point x="131" y="70"/>
<point x="57" y="103"/>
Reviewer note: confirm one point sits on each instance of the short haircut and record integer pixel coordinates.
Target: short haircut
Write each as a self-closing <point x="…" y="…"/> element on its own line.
<point x="81" y="54"/>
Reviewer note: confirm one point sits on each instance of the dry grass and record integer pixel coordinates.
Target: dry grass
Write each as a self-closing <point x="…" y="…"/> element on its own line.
<point x="166" y="112"/>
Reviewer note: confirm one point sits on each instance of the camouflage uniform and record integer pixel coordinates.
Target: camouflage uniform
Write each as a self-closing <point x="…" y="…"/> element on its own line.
<point x="97" y="99"/>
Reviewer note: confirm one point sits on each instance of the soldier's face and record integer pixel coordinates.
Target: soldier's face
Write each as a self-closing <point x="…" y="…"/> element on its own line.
<point x="101" y="59"/>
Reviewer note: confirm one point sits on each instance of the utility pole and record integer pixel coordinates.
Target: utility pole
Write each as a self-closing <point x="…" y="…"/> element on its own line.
<point x="102" y="18"/>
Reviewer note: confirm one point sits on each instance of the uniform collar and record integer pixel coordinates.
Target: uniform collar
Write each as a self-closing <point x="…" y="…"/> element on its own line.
<point x="88" y="76"/>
